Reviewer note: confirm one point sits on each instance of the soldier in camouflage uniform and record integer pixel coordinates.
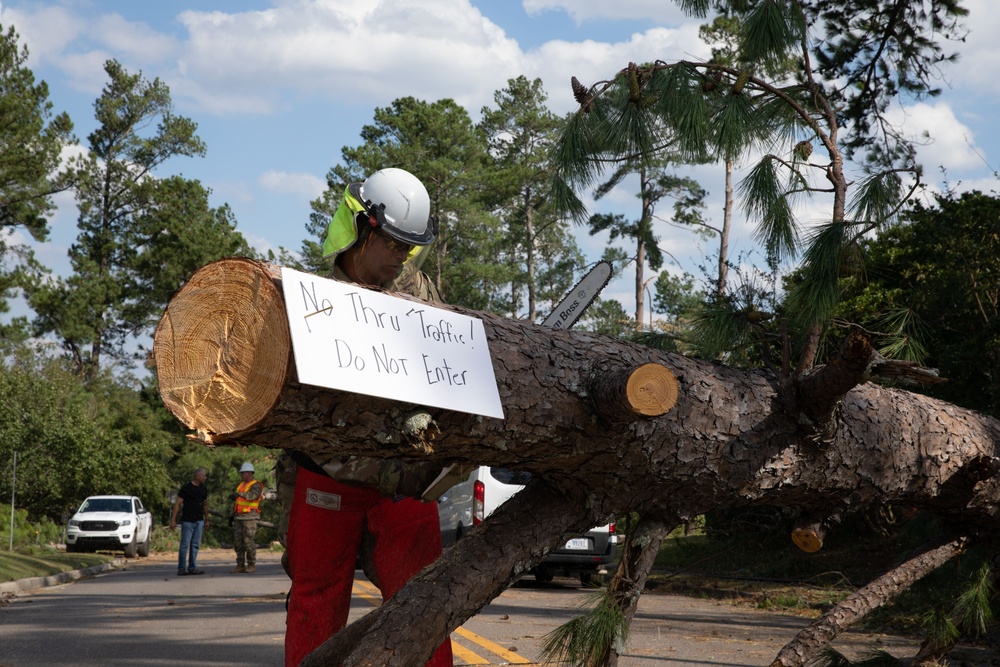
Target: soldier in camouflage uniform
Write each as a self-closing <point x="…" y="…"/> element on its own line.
<point x="347" y="508"/>
<point x="246" y="517"/>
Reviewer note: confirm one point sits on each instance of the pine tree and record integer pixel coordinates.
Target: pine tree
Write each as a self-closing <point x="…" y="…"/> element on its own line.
<point x="538" y="254"/>
<point x="139" y="236"/>
<point x="826" y="111"/>
<point x="807" y="86"/>
<point x="656" y="181"/>
<point x="31" y="138"/>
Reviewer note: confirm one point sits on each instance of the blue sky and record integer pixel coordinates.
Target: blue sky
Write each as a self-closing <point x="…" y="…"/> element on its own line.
<point x="278" y="87"/>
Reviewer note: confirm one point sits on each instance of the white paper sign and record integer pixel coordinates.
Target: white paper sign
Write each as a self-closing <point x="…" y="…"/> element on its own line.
<point x="350" y="338"/>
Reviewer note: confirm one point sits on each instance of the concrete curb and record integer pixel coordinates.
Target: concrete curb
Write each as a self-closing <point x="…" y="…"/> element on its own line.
<point x="32" y="583"/>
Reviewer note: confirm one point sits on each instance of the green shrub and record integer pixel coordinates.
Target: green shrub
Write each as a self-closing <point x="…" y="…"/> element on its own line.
<point x="27" y="535"/>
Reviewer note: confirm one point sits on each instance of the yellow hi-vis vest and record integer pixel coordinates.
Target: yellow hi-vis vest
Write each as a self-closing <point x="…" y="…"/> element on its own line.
<point x="244" y="506"/>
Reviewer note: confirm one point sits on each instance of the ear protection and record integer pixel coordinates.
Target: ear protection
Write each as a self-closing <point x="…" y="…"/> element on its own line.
<point x="374" y="216"/>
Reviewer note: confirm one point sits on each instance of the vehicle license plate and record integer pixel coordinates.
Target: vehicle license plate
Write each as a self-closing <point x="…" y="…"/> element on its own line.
<point x="577" y="543"/>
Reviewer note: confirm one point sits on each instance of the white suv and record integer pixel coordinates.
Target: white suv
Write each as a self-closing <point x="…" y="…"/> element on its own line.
<point x="110" y="522"/>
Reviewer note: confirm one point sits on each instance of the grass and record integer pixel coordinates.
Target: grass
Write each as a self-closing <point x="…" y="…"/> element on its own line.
<point x="44" y="561"/>
<point x="752" y="574"/>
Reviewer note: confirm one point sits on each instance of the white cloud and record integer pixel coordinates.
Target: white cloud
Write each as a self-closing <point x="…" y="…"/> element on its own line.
<point x="979" y="54"/>
<point x="266" y="62"/>
<point x="425" y="48"/>
<point x="63" y="230"/>
<point x="281" y="182"/>
<point x="233" y="191"/>
<point x="132" y="40"/>
<point x="46" y="31"/>
<point x="260" y="244"/>
<point x="589" y="61"/>
<point x="942" y="140"/>
<point x="85" y="70"/>
<point x="79" y="47"/>
<point x="659" y="11"/>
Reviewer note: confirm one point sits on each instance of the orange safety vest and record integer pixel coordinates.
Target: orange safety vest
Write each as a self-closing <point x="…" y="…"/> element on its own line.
<point x="244" y="506"/>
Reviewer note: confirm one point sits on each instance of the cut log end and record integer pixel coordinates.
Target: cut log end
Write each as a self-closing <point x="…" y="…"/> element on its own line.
<point x="651" y="390"/>
<point x="222" y="348"/>
<point x="809" y="540"/>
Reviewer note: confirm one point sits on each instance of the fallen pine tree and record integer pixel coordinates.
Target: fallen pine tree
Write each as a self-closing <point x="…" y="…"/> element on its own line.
<point x="605" y="427"/>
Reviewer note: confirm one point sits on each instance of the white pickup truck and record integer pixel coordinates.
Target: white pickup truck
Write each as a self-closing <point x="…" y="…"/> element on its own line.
<point x="115" y="523"/>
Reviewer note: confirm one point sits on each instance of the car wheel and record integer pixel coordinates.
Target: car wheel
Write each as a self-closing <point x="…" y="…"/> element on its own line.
<point x="71" y="548"/>
<point x="543" y="575"/>
<point x="589" y="578"/>
<point x="131" y="548"/>
<point x="144" y="547"/>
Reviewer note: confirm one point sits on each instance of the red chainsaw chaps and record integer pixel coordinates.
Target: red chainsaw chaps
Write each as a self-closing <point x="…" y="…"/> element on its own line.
<point x="324" y="535"/>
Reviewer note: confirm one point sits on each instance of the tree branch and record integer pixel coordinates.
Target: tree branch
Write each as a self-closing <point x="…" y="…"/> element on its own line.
<point x="460" y="583"/>
<point x="821" y="390"/>
<point x="807" y="643"/>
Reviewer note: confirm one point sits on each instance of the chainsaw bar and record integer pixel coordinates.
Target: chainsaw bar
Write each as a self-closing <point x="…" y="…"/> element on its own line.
<point x="568" y="311"/>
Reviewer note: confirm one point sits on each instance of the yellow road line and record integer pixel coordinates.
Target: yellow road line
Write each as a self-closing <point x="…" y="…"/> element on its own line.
<point x="467" y="656"/>
<point x="511" y="657"/>
<point x="368" y="591"/>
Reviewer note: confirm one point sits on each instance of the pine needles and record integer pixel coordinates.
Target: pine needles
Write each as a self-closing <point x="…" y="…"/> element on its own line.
<point x="584" y="641"/>
<point x="833" y="658"/>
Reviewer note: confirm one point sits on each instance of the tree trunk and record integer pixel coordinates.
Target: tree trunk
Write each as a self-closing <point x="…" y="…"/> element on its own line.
<point x="636" y="560"/>
<point x="734" y="438"/>
<point x="727" y="218"/>
<point x="808" y="643"/>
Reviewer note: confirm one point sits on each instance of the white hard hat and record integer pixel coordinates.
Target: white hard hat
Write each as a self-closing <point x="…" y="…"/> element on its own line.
<point x="398" y="203"/>
<point x="246" y="467"/>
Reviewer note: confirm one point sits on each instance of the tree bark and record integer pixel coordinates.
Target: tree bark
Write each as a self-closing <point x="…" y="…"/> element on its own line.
<point x="734" y="438"/>
<point x="406" y="629"/>
<point x="807" y="643"/>
<point x="636" y="560"/>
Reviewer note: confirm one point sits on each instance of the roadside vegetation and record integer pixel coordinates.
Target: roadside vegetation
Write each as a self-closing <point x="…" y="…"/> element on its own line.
<point x="37" y="548"/>
<point x="46" y="562"/>
<point x="748" y="558"/>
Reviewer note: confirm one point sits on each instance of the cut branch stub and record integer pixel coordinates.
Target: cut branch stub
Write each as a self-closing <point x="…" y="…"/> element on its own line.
<point x="809" y="538"/>
<point x="810" y="531"/>
<point x="649" y="390"/>
<point x="223" y="347"/>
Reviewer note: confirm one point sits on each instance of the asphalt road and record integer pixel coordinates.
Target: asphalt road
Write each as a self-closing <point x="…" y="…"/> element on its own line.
<point x="143" y="615"/>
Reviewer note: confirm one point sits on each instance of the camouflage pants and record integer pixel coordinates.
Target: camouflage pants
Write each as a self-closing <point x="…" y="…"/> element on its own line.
<point x="244" y="534"/>
<point x="284" y="473"/>
<point x="285" y="470"/>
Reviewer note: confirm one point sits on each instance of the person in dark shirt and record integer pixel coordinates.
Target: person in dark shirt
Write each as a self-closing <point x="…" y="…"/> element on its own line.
<point x="192" y="503"/>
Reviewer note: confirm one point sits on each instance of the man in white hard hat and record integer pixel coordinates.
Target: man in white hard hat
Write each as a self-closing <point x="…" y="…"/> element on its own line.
<point x="345" y="507"/>
<point x="246" y="515"/>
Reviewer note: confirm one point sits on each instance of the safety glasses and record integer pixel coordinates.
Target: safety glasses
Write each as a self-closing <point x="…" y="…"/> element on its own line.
<point x="395" y="246"/>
